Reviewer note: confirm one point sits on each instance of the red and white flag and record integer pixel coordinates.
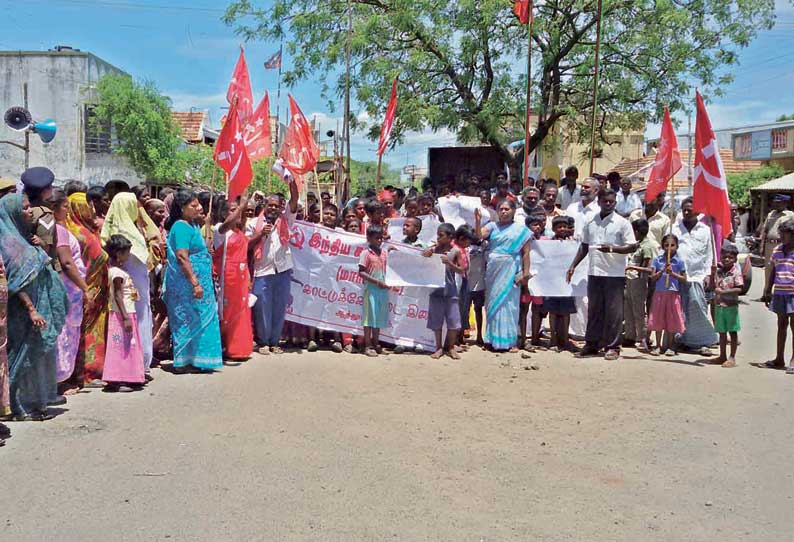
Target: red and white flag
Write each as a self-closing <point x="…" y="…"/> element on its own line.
<point x="667" y="161"/>
<point x="231" y="156"/>
<point x="522" y="11"/>
<point x="388" y="122"/>
<point x="240" y="89"/>
<point x="710" y="191"/>
<point x="299" y="153"/>
<point x="257" y="132"/>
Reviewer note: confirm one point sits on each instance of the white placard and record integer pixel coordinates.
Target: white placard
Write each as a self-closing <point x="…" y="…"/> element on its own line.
<point x="328" y="293"/>
<point x="459" y="210"/>
<point x="407" y="266"/>
<point x="549" y="262"/>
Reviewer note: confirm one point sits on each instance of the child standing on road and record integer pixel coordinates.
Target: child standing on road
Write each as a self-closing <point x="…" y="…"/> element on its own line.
<point x="667" y="316"/>
<point x="536" y="222"/>
<point x="727" y="287"/>
<point x="124" y="357"/>
<point x="635" y="329"/>
<point x="560" y="309"/>
<point x="372" y="268"/>
<point x="464" y="235"/>
<point x="779" y="292"/>
<point x="444" y="305"/>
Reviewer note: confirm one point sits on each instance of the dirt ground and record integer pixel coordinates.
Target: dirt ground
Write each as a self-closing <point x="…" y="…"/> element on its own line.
<point x="340" y="448"/>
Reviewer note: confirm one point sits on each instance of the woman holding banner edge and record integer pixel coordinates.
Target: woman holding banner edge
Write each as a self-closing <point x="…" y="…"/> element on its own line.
<point x="507" y="267"/>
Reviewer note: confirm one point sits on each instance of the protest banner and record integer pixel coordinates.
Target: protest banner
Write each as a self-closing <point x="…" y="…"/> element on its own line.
<point x="459" y="210"/>
<point x="554" y="258"/>
<point x="430" y="225"/>
<point x="408" y="267"/>
<point x="328" y="293"/>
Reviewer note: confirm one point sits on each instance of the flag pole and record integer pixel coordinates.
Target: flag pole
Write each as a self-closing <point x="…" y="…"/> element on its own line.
<point x="278" y="94"/>
<point x="529" y="87"/>
<point x="595" y="87"/>
<point x="377" y="175"/>
<point x="346" y="128"/>
<point x="319" y="193"/>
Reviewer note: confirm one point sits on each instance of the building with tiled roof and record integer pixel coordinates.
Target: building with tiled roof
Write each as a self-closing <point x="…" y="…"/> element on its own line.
<point x="194" y="126"/>
<point x="638" y="169"/>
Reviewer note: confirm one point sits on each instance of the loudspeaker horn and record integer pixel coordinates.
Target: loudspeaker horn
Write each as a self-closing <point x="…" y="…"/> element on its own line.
<point x="45" y="129"/>
<point x="18" y="118"/>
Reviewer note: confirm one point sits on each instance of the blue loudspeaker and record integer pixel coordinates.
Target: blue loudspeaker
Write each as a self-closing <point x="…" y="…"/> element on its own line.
<point x="45" y="129"/>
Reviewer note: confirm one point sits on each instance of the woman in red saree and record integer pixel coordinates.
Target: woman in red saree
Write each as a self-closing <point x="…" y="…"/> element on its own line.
<point x="91" y="353"/>
<point x="230" y="263"/>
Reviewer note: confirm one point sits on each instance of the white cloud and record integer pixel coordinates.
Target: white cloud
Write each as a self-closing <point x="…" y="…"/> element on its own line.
<point x="412" y="151"/>
<point x="181" y="101"/>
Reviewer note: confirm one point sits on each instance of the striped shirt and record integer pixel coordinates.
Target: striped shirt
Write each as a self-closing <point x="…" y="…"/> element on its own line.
<point x="783" y="263"/>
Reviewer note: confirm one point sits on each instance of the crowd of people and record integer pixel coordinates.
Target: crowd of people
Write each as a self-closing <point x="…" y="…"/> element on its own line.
<point x="99" y="285"/>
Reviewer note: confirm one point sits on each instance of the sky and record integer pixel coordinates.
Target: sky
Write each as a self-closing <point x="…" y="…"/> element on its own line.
<point x="185" y="49"/>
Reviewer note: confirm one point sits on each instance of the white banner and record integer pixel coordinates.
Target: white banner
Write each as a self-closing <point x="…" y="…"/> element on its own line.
<point x="459" y="210"/>
<point x="328" y="293"/>
<point x="549" y="262"/>
<point x="407" y="266"/>
<point x="430" y="225"/>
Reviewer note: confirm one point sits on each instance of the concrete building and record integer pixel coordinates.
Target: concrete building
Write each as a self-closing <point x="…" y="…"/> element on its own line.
<point x="771" y="143"/>
<point x="60" y="85"/>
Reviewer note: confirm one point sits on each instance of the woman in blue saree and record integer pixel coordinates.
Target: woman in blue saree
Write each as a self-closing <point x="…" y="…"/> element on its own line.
<point x="188" y="290"/>
<point x="507" y="267"/>
<point x="37" y="306"/>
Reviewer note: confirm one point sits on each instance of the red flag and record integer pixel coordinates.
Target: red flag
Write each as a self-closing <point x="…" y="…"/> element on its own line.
<point x="667" y="161"/>
<point x="231" y="156"/>
<point x="299" y="152"/>
<point x="710" y="191"/>
<point x="240" y="89"/>
<point x="522" y="11"/>
<point x="388" y="122"/>
<point x="257" y="132"/>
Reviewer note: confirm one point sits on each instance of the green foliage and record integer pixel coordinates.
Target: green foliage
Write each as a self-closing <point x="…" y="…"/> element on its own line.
<point x="460" y="63"/>
<point x="141" y="122"/>
<point x="782" y="118"/>
<point x="363" y="174"/>
<point x="739" y="184"/>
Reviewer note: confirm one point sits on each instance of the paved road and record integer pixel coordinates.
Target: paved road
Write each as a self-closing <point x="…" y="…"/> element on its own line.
<point x="341" y="448"/>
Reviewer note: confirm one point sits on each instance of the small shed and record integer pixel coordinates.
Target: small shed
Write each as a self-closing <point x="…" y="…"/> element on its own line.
<point x="761" y="195"/>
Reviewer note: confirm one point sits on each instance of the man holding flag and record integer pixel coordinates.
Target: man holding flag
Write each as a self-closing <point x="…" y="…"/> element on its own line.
<point x="696" y="242"/>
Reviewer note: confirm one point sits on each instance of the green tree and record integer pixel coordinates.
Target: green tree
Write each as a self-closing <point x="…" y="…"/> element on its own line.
<point x="460" y="63"/>
<point x="782" y="118"/>
<point x="146" y="135"/>
<point x="739" y="184"/>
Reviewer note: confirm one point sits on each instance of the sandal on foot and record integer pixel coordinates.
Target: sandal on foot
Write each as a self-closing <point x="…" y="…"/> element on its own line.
<point x="453" y="354"/>
<point x="729" y="364"/>
<point x="371" y="353"/>
<point x="772" y="364"/>
<point x="612" y="355"/>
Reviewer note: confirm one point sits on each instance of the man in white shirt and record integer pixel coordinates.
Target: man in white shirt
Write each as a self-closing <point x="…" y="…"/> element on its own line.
<point x="696" y="249"/>
<point x="586" y="208"/>
<point x="626" y="201"/>
<point x="269" y="235"/>
<point x="658" y="222"/>
<point x="608" y="239"/>
<point x="569" y="193"/>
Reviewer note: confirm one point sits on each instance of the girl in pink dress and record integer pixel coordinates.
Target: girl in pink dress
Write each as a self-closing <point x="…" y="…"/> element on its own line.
<point x="124" y="369"/>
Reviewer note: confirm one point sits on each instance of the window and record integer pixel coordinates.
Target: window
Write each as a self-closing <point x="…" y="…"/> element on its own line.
<point x="744" y="145"/>
<point x="96" y="132"/>
<point x="779" y="140"/>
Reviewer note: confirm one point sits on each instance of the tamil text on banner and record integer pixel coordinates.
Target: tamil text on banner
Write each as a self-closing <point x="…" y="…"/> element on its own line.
<point x="408" y="267"/>
<point x="430" y="225"/>
<point x="459" y="210"/>
<point x="328" y="293"/>
<point x="554" y="258"/>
